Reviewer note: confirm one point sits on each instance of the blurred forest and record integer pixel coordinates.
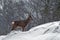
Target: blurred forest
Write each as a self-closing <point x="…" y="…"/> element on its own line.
<point x="42" y="11"/>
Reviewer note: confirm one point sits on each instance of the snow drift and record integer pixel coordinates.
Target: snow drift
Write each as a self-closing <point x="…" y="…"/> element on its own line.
<point x="48" y="31"/>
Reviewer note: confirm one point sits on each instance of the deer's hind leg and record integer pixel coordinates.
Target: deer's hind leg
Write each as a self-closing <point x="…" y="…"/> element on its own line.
<point x="13" y="27"/>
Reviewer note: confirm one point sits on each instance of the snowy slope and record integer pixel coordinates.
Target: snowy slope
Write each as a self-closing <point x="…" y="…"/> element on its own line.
<point x="1" y="37"/>
<point x="48" y="31"/>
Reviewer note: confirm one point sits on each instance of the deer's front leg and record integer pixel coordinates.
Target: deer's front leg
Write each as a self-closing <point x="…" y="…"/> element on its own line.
<point x="23" y="28"/>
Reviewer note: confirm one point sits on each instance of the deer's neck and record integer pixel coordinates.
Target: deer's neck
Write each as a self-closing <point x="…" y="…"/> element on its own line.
<point x="28" y="20"/>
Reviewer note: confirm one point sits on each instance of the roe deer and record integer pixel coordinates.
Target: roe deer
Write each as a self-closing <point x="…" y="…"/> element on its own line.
<point x="21" y="23"/>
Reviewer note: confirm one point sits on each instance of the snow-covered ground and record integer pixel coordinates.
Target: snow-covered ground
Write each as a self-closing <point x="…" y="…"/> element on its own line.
<point x="1" y="37"/>
<point x="48" y="31"/>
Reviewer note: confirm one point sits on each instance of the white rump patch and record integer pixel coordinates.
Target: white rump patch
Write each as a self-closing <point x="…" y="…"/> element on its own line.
<point x="12" y="22"/>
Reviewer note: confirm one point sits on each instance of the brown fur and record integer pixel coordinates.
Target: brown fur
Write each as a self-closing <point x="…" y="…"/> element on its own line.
<point x="21" y="23"/>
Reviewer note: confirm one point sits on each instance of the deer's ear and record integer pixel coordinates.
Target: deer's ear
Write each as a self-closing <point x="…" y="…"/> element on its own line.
<point x="13" y="22"/>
